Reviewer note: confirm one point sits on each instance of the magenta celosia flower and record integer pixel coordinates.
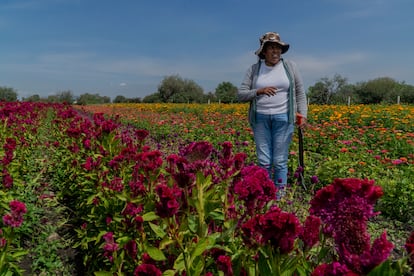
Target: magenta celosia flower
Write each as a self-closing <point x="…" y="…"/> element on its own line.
<point x="224" y="264"/>
<point x="131" y="249"/>
<point x="17" y="210"/>
<point x="110" y="245"/>
<point x="197" y="151"/>
<point x="149" y="160"/>
<point x="311" y="229"/>
<point x="314" y="179"/>
<point x="254" y="188"/>
<point x="409" y="246"/>
<point x="333" y="269"/>
<point x="132" y="209"/>
<point x="345" y="207"/>
<point x="7" y="179"/>
<point x="147" y="270"/>
<point x="87" y="143"/>
<point x="10" y="144"/>
<point x="115" y="184"/>
<point x="280" y="229"/>
<point x="137" y="188"/>
<point x="239" y="159"/>
<point x="141" y="134"/>
<point x="168" y="203"/>
<point x="276" y="228"/>
<point x="226" y="157"/>
<point x="12" y="221"/>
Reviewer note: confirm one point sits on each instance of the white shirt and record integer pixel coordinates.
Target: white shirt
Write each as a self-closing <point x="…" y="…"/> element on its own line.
<point x="273" y="76"/>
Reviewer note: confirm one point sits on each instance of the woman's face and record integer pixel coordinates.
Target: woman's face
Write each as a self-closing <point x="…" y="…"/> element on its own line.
<point x="272" y="52"/>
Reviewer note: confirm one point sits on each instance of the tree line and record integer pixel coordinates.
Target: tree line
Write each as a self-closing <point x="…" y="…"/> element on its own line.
<point x="175" y="89"/>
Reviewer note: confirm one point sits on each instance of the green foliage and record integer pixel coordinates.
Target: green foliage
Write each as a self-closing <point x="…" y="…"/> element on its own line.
<point x="8" y="94"/>
<point x="324" y="90"/>
<point x="177" y="90"/>
<point x="336" y="90"/>
<point x="226" y="92"/>
<point x="92" y="99"/>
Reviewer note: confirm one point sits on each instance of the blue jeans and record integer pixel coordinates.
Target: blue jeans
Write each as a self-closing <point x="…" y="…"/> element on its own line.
<point x="273" y="135"/>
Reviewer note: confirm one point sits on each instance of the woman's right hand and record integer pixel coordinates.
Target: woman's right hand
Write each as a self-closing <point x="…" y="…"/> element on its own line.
<point x="269" y="91"/>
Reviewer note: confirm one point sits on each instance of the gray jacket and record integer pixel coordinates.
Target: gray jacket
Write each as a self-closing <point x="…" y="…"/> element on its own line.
<point x="297" y="97"/>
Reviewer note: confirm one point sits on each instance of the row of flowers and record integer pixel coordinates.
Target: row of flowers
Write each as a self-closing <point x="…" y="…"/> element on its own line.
<point x="202" y="210"/>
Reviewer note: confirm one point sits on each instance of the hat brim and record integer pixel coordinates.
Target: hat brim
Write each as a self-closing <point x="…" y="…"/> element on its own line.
<point x="285" y="47"/>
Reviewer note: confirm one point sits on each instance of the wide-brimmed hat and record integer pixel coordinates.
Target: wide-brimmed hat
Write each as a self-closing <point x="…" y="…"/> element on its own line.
<point x="271" y="37"/>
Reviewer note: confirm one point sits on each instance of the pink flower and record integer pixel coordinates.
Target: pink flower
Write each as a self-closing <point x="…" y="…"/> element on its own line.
<point x="224" y="264"/>
<point x="17" y="210"/>
<point x="7" y="179"/>
<point x="345" y="207"/>
<point x="409" y="246"/>
<point x="197" y="151"/>
<point x="311" y="229"/>
<point x="168" y="205"/>
<point x="254" y="188"/>
<point x="110" y="245"/>
<point x="397" y="161"/>
<point x="275" y="227"/>
<point x="147" y="270"/>
<point x="332" y="269"/>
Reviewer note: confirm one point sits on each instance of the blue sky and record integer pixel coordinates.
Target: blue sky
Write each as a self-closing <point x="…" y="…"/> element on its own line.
<point x="127" y="47"/>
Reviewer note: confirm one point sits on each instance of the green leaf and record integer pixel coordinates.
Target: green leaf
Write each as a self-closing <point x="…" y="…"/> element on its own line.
<point x="157" y="230"/>
<point x="386" y="268"/>
<point x="20" y="253"/>
<point x="264" y="265"/>
<point x="200" y="247"/>
<point x="156" y="254"/>
<point x="150" y="216"/>
<point x="169" y="272"/>
<point x="179" y="263"/>
<point x="103" y="273"/>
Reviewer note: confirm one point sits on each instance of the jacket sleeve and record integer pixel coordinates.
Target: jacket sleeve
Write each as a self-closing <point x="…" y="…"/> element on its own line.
<point x="245" y="92"/>
<point x="301" y="100"/>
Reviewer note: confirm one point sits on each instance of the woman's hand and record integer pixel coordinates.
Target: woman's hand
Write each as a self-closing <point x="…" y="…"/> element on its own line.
<point x="269" y="91"/>
<point x="301" y="121"/>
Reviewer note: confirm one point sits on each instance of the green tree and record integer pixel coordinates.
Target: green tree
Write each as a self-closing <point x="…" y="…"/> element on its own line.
<point x="177" y="90"/>
<point x="8" y="94"/>
<point x="152" y="98"/>
<point x="120" y="99"/>
<point x="92" y="99"/>
<point x="226" y="92"/>
<point x="32" y="98"/>
<point x="323" y="92"/>
<point x="379" y="90"/>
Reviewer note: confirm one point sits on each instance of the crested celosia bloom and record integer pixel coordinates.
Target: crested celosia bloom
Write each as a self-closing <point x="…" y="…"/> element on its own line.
<point x="115" y="184"/>
<point x="168" y="204"/>
<point x="409" y="246"/>
<point x="254" y="188"/>
<point x="276" y="228"/>
<point x="149" y="160"/>
<point x="197" y="151"/>
<point x="15" y="217"/>
<point x="224" y="264"/>
<point x="7" y="179"/>
<point x="345" y="207"/>
<point x="310" y="233"/>
<point x="110" y="245"/>
<point x="141" y="134"/>
<point x="332" y="269"/>
<point x="147" y="270"/>
<point x="226" y="156"/>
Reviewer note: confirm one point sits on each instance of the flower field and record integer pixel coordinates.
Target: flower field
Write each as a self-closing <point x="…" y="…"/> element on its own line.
<point x="169" y="189"/>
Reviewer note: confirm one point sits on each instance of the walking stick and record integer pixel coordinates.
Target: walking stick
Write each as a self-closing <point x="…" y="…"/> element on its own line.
<point x="301" y="151"/>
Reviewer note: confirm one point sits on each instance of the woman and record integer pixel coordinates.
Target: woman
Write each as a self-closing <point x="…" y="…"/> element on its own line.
<point x="274" y="88"/>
